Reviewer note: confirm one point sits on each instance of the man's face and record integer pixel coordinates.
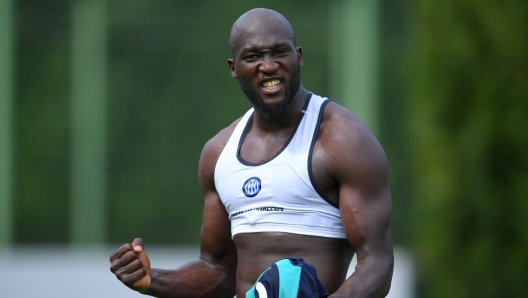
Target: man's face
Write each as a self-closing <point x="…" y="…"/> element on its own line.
<point x="252" y="92"/>
<point x="267" y="65"/>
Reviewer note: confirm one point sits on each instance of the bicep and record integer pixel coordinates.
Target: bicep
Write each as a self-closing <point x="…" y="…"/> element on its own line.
<point x="216" y="245"/>
<point x="365" y="199"/>
<point x="366" y="220"/>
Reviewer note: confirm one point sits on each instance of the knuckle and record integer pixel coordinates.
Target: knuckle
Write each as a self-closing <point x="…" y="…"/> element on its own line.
<point x="131" y="255"/>
<point x="126" y="280"/>
<point x="119" y="275"/>
<point x="119" y="272"/>
<point x="114" y="267"/>
<point x="120" y="252"/>
<point x="137" y="262"/>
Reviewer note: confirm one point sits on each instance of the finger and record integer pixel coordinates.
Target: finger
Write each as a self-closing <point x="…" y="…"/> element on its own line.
<point x="138" y="245"/>
<point x="132" y="278"/>
<point x="123" y="272"/>
<point x="121" y="251"/>
<point x="133" y="266"/>
<point x="122" y="262"/>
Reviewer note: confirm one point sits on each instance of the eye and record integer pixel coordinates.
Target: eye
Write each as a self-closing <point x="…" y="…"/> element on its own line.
<point x="282" y="52"/>
<point x="251" y="57"/>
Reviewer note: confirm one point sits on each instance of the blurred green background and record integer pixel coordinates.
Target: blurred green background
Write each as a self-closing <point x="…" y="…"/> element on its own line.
<point x="106" y="104"/>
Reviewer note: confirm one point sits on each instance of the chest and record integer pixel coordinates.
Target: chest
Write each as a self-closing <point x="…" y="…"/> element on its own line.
<point x="282" y="180"/>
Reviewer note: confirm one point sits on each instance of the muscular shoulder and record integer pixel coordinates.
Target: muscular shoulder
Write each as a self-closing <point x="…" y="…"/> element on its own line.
<point x="350" y="151"/>
<point x="211" y="152"/>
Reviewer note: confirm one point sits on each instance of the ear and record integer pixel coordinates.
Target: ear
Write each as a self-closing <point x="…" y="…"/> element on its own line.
<point x="231" y="64"/>
<point x="299" y="56"/>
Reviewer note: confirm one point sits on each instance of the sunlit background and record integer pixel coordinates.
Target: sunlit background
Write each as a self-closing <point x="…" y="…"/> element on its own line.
<point x="106" y="104"/>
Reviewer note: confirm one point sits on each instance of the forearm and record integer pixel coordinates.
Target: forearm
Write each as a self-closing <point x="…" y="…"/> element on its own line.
<point x="372" y="278"/>
<point x="195" y="279"/>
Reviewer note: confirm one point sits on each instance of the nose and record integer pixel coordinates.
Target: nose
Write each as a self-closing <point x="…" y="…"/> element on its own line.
<point x="268" y="65"/>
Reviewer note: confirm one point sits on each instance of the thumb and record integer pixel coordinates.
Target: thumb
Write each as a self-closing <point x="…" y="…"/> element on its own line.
<point x="139" y="249"/>
<point x="142" y="284"/>
<point x="137" y="245"/>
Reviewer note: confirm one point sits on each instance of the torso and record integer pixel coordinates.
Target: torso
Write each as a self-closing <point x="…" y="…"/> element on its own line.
<point x="267" y="186"/>
<point x="258" y="251"/>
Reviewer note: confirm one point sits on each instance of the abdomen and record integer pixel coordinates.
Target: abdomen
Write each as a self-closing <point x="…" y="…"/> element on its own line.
<point x="258" y="251"/>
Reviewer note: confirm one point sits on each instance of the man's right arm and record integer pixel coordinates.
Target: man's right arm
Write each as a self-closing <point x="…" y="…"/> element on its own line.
<point x="214" y="273"/>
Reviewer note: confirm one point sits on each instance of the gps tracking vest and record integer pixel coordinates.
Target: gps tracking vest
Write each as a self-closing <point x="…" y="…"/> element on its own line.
<point x="277" y="195"/>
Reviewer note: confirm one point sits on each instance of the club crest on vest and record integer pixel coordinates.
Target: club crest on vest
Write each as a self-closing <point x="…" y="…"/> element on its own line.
<point x="251" y="187"/>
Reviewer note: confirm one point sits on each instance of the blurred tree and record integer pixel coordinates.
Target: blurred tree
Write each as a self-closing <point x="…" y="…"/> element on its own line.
<point x="469" y="123"/>
<point x="41" y="126"/>
<point x="393" y="135"/>
<point x="6" y="126"/>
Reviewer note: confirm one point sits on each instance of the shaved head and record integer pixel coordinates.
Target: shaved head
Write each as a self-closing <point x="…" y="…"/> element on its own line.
<point x="265" y="60"/>
<point x="254" y="21"/>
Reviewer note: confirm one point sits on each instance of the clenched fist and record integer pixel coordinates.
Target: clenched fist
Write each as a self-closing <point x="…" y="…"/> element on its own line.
<point x="131" y="265"/>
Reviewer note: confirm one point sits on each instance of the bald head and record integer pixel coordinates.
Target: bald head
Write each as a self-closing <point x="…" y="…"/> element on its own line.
<point x="257" y="21"/>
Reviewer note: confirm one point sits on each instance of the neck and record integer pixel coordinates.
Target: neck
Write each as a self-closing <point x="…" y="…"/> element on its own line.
<point x="281" y="121"/>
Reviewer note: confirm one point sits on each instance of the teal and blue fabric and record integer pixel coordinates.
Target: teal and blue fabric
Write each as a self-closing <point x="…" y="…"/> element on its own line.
<point x="288" y="278"/>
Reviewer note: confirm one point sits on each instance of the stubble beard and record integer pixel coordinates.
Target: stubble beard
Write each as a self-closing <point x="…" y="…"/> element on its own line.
<point x="272" y="109"/>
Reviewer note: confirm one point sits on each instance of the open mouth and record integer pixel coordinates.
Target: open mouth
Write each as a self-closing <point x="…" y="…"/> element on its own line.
<point x="271" y="85"/>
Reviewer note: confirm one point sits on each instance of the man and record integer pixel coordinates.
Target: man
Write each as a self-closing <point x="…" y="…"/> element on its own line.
<point x="296" y="176"/>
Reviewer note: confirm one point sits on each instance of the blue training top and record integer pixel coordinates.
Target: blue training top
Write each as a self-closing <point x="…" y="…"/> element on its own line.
<point x="288" y="278"/>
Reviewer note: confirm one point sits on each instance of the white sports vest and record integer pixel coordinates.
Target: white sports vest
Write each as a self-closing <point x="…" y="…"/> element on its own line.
<point x="277" y="195"/>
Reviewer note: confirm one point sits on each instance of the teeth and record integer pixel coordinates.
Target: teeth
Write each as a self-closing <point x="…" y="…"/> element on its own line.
<point x="271" y="84"/>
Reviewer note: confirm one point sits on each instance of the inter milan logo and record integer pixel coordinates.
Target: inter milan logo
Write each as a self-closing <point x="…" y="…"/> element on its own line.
<point x="251" y="187"/>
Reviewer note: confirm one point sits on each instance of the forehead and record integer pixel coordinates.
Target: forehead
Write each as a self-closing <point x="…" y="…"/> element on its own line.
<point x="261" y="33"/>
